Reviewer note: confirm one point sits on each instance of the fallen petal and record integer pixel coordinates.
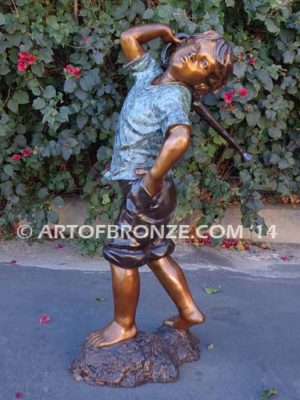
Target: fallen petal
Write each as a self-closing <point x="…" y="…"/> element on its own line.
<point x="19" y="395"/>
<point x="13" y="262"/>
<point x="44" y="319"/>
<point x="285" y="258"/>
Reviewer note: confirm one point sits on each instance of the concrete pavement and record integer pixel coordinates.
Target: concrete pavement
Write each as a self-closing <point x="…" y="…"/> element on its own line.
<point x="253" y="324"/>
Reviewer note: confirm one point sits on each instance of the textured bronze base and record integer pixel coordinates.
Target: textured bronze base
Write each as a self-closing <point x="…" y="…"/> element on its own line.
<point x="149" y="357"/>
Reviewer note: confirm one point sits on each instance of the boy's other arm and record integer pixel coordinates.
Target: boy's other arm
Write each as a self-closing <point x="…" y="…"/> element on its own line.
<point x="174" y="147"/>
<point x="132" y="39"/>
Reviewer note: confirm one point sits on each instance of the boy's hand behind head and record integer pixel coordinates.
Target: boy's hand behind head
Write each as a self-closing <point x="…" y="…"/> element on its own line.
<point x="169" y="36"/>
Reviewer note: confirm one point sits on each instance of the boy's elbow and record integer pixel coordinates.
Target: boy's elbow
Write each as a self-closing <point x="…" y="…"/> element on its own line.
<point x="181" y="137"/>
<point x="124" y="37"/>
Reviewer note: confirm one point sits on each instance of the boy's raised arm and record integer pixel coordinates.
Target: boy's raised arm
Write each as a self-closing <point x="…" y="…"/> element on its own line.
<point x="132" y="38"/>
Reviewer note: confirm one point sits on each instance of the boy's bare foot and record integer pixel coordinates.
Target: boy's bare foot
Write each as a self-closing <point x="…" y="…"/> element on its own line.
<point x="184" y="322"/>
<point x="111" y="334"/>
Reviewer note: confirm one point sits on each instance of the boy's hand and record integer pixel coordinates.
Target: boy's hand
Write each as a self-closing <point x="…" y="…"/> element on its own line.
<point x="152" y="184"/>
<point x="169" y="36"/>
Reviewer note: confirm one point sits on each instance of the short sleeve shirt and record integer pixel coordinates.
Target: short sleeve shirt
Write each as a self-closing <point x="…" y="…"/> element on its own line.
<point x="146" y="115"/>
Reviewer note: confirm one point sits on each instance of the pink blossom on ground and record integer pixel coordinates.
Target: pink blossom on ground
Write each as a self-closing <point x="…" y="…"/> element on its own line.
<point x="58" y="246"/>
<point x="16" y="157"/>
<point x="13" y="262"/>
<point x="285" y="258"/>
<point x="233" y="91"/>
<point x="19" y="395"/>
<point x="44" y="319"/>
<point x="243" y="92"/>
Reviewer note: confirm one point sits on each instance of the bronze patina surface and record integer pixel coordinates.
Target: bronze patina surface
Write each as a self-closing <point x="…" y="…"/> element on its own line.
<point x="149" y="357"/>
<point x="197" y="66"/>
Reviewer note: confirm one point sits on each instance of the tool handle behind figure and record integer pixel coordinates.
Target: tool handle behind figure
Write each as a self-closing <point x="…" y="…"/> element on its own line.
<point x="199" y="107"/>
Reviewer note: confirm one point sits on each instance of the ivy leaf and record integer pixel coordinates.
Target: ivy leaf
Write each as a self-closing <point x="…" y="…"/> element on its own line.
<point x="98" y="57"/>
<point x="239" y="69"/>
<point x="253" y="118"/>
<point x="53" y="217"/>
<point x="288" y="57"/>
<point x="9" y="170"/>
<point x="275" y="133"/>
<point x="2" y="19"/>
<point x="81" y="120"/>
<point x="49" y="92"/>
<point x="267" y="394"/>
<point x="58" y="202"/>
<point x="13" y="105"/>
<point x="38" y="103"/>
<point x="21" y="97"/>
<point x="38" y="69"/>
<point x="70" y="85"/>
<point x="265" y="78"/>
<point x="105" y="199"/>
<point x="148" y="14"/>
<point x="211" y="290"/>
<point x="271" y="26"/>
<point x="43" y="192"/>
<point x="230" y="3"/>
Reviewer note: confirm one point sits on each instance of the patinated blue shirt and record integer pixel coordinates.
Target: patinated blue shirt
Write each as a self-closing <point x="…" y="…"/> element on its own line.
<point x="147" y="113"/>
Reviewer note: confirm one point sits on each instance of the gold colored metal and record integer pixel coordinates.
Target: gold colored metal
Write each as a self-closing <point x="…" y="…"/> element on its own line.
<point x="194" y="66"/>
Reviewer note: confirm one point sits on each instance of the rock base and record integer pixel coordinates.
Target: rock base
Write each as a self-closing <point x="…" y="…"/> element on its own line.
<point x="149" y="357"/>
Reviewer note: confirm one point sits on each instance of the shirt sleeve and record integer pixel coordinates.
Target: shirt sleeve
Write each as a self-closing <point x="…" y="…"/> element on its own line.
<point x="144" y="67"/>
<point x="174" y="107"/>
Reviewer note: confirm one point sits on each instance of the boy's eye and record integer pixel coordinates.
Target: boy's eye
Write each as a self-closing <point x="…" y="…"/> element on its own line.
<point x="204" y="63"/>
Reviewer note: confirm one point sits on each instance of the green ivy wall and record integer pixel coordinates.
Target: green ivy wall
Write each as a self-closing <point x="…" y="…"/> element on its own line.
<point x="62" y="85"/>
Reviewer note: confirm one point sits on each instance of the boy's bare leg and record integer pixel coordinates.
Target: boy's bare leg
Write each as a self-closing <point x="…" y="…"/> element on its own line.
<point x="126" y="290"/>
<point x="173" y="280"/>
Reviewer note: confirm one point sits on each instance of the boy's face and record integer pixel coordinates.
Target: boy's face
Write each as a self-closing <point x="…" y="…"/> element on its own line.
<point x="194" y="63"/>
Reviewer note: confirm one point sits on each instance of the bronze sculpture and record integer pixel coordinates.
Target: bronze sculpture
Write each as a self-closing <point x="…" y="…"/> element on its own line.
<point x="200" y="64"/>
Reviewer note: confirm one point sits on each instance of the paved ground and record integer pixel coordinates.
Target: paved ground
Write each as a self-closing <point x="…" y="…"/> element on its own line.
<point x="253" y="323"/>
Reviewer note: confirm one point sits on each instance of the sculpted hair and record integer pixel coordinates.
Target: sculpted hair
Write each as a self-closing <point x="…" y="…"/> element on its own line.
<point x="223" y="53"/>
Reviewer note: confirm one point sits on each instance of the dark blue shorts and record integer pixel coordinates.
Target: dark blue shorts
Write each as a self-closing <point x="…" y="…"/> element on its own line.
<point x="141" y="214"/>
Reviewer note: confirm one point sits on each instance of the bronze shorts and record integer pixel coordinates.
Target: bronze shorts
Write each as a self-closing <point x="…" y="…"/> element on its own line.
<point x="139" y="214"/>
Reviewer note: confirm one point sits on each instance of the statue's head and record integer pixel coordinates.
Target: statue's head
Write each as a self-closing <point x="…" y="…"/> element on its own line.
<point x="203" y="62"/>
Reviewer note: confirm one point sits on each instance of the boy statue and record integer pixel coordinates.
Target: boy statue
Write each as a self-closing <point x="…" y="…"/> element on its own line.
<point x="152" y="135"/>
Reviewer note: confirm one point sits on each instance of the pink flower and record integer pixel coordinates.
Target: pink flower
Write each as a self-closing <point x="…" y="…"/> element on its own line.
<point x="233" y="91"/>
<point x="27" y="152"/>
<point x="252" y="60"/>
<point x="58" y="246"/>
<point x="243" y="92"/>
<point x="31" y="59"/>
<point x="16" y="157"/>
<point x="75" y="71"/>
<point x="85" y="38"/>
<point x="19" y="395"/>
<point x="13" y="262"/>
<point x="285" y="258"/>
<point x="24" y="60"/>
<point x="21" y="66"/>
<point x="44" y="319"/>
<point x="242" y="55"/>
<point x="228" y="97"/>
